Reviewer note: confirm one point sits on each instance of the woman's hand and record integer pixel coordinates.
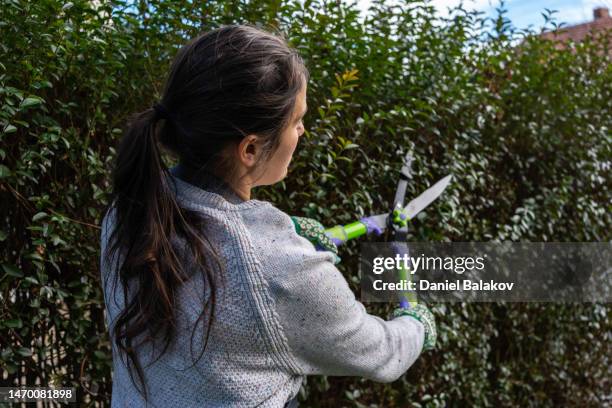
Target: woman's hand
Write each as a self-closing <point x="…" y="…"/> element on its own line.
<point x="423" y="315"/>
<point x="313" y="231"/>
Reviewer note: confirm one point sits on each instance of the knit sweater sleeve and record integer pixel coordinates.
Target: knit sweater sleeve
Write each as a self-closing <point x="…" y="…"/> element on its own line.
<point x="328" y="331"/>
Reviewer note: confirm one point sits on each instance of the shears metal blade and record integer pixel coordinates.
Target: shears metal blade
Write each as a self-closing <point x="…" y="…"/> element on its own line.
<point x="414" y="207"/>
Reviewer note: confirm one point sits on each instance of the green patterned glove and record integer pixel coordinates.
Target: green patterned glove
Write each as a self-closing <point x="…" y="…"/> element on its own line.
<point x="423" y="315"/>
<point x="313" y="231"/>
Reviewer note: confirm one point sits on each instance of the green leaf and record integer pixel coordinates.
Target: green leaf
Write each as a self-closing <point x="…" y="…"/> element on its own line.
<point x="39" y="216"/>
<point x="14" y="323"/>
<point x="57" y="240"/>
<point x="32" y="280"/>
<point x="34" y="255"/>
<point x="4" y="171"/>
<point x="26" y="352"/>
<point x="9" y="129"/>
<point x="12" y="270"/>
<point x="31" y="101"/>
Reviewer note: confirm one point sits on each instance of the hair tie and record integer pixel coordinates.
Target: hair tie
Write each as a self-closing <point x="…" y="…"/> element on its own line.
<point x="161" y="112"/>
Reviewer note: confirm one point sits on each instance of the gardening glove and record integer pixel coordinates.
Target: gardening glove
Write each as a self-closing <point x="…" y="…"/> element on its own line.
<point x="313" y="231"/>
<point x="423" y="315"/>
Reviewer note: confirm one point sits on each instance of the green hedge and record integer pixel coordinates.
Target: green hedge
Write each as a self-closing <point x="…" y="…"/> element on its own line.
<point x="524" y="127"/>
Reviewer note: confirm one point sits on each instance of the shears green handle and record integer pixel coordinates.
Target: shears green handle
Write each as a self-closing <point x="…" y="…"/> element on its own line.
<point x="342" y="233"/>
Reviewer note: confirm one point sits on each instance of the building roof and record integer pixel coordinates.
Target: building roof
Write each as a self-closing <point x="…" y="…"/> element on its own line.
<point x="601" y="23"/>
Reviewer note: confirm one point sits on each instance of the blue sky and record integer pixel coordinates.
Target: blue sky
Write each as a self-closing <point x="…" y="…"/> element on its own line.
<point x="526" y="12"/>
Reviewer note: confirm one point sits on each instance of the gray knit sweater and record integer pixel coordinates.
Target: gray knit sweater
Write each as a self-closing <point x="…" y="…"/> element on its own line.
<point x="284" y="312"/>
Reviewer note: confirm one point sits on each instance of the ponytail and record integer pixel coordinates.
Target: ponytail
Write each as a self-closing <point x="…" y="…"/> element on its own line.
<point x="147" y="217"/>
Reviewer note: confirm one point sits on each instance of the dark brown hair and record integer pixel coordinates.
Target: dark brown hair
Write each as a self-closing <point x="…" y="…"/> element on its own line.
<point x="223" y="85"/>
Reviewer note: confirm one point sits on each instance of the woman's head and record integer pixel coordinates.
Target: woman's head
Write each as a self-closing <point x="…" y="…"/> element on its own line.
<point x="275" y="166"/>
<point x="232" y="105"/>
<point x="233" y="94"/>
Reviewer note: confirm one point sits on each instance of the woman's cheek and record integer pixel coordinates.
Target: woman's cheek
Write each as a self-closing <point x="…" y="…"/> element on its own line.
<point x="286" y="150"/>
<point x="296" y="140"/>
<point x="290" y="145"/>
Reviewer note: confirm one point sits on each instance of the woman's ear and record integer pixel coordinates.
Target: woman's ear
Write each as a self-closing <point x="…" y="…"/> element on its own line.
<point x="248" y="150"/>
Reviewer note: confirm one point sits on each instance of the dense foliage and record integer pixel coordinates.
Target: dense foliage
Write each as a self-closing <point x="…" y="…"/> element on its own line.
<point x="524" y="128"/>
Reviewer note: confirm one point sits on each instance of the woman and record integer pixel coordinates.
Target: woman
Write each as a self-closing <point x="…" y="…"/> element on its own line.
<point x="212" y="298"/>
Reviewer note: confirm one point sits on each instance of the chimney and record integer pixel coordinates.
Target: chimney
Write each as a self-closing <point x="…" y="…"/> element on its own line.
<point x="601" y="13"/>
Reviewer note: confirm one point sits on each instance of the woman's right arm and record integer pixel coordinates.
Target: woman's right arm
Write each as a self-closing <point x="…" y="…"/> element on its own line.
<point x="328" y="331"/>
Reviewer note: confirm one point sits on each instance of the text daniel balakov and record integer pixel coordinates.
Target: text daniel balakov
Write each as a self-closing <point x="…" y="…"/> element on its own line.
<point x="465" y="284"/>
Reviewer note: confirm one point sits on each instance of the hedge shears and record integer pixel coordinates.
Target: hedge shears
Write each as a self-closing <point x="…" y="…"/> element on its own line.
<point x="396" y="221"/>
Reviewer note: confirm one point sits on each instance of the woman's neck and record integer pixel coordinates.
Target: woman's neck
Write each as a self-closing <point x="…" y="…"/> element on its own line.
<point x="215" y="182"/>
